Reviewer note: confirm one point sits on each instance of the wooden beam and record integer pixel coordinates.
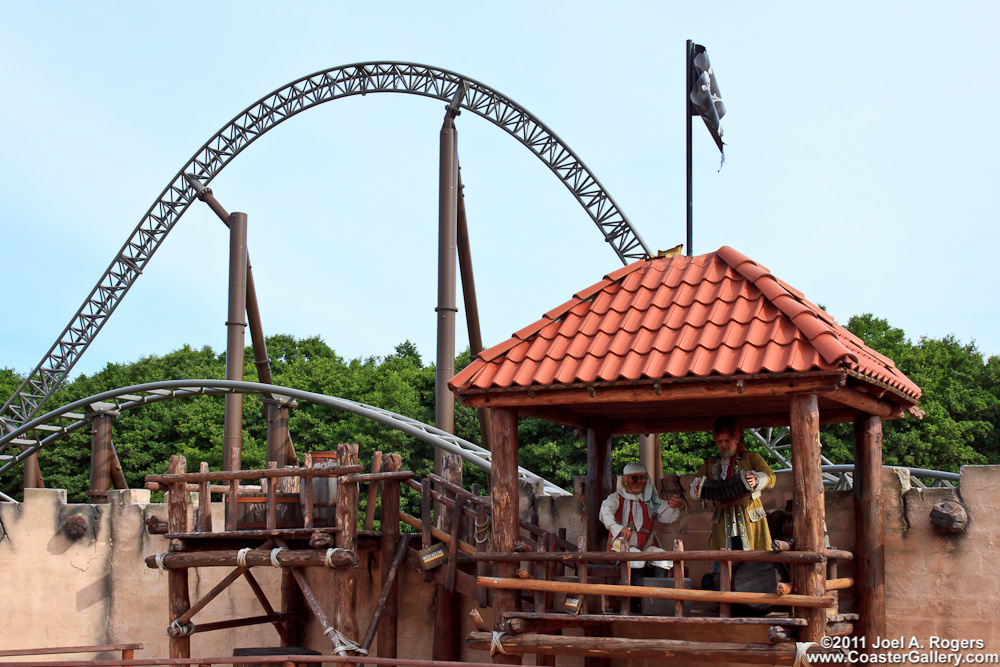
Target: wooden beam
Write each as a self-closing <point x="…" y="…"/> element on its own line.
<point x="599" y="483"/>
<point x="345" y="581"/>
<point x="254" y="558"/>
<point x="706" y="555"/>
<point x="659" y="392"/>
<point x="388" y="590"/>
<point x="504" y="510"/>
<point x="447" y="613"/>
<point x="866" y="403"/>
<point x="387" y="629"/>
<point x="808" y="508"/>
<point x="869" y="527"/>
<point x="177" y="580"/>
<point x="674" y="650"/>
<point x="532" y="621"/>
<point x="687" y="424"/>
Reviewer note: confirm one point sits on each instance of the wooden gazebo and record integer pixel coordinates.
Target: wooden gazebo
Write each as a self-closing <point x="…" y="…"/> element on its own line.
<point x="668" y="345"/>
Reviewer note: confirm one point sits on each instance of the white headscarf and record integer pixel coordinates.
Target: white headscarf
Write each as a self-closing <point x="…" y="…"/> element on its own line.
<point x="648" y="494"/>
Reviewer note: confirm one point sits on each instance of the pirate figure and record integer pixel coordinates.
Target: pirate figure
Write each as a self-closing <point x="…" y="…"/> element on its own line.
<point x="734" y="480"/>
<point x="632" y="510"/>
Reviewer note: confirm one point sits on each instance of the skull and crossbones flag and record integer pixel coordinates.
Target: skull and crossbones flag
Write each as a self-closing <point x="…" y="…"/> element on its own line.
<point x="705" y="97"/>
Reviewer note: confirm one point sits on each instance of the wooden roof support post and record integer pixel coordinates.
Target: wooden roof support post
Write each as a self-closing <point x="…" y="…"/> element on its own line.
<point x="345" y="580"/>
<point x="869" y="526"/>
<point x="600" y="483"/>
<point x="390" y="536"/>
<point x="177" y="580"/>
<point x="809" y="509"/>
<point x="504" y="507"/>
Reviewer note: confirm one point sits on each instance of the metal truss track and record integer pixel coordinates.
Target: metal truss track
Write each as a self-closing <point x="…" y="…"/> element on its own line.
<point x="254" y="121"/>
<point x="136" y="396"/>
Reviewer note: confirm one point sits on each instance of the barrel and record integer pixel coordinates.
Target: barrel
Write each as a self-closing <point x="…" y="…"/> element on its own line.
<point x="755" y="577"/>
<point x="251" y="511"/>
<point x="324" y="491"/>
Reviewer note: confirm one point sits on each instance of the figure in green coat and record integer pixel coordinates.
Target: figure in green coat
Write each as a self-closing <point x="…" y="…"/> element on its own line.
<point x="740" y="523"/>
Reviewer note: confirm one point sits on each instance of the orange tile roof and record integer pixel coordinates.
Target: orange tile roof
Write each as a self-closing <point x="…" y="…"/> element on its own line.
<point x="679" y="317"/>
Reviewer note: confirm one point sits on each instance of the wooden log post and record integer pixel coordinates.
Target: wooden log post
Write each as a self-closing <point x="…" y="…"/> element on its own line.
<point x="504" y="510"/>
<point x="100" y="454"/>
<point x="387" y="629"/>
<point x="869" y="526"/>
<point x="345" y="580"/>
<point x="179" y="598"/>
<point x="678" y="578"/>
<point x="204" y="502"/>
<point x="600" y="484"/>
<point x="808" y="509"/>
<point x="447" y="609"/>
<point x="725" y="584"/>
<point x="372" y="492"/>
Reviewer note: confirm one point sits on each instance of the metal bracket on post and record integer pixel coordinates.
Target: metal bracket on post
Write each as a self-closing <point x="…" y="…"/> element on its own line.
<point x="454" y="107"/>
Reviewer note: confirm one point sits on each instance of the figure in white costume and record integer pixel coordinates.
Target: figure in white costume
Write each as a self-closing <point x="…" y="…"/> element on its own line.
<point x="630" y="513"/>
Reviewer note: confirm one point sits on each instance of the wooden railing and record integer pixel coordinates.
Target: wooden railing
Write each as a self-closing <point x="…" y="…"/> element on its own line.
<point x="127" y="651"/>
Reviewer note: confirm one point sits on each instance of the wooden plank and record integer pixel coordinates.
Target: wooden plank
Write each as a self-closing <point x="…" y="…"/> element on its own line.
<point x="228" y="475"/>
<point x="610" y="557"/>
<point x="869" y="527"/>
<point x="660" y="392"/>
<point x="101" y="648"/>
<point x="808" y="509"/>
<point x="585" y="619"/>
<point x="675" y="650"/>
<point x="809" y="601"/>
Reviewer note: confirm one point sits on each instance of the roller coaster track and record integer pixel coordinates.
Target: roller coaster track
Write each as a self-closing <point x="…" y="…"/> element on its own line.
<point x="62" y="421"/>
<point x="254" y="121"/>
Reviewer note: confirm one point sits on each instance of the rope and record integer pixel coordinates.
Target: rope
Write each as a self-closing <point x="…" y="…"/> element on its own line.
<point x="345" y="643"/>
<point x="159" y="562"/>
<point x="241" y="557"/>
<point x="496" y="644"/>
<point x="327" y="560"/>
<point x="482" y="531"/>
<point x="274" y="556"/>
<point x="801" y="659"/>
<point x="179" y="630"/>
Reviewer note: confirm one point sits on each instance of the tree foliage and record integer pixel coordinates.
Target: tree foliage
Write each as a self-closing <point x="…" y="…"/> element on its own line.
<point x="961" y="401"/>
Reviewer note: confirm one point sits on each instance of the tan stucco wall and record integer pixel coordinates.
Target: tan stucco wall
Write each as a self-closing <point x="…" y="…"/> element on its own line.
<point x="97" y="589"/>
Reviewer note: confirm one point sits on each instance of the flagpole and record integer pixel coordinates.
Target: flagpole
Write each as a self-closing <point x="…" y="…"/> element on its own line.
<point x="687" y="120"/>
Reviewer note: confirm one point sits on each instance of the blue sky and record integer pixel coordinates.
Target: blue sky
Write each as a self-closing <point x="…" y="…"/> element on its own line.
<point x="861" y="164"/>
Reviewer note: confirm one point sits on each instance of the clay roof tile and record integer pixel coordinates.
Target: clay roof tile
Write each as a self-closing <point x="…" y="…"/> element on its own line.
<point x="678" y="317"/>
